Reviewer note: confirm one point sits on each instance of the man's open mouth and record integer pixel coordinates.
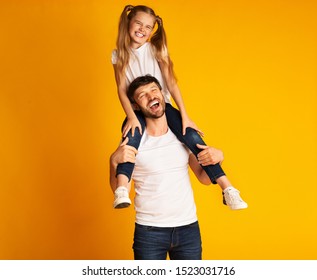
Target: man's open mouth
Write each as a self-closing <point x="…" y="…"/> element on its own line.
<point x="154" y="104"/>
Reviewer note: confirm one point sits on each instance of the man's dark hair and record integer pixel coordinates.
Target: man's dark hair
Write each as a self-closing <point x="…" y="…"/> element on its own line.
<point x="139" y="82"/>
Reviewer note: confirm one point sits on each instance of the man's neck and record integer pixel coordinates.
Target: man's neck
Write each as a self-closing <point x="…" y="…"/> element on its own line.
<point x="156" y="127"/>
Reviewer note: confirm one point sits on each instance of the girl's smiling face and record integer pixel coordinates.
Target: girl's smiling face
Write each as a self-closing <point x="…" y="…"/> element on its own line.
<point x="140" y="29"/>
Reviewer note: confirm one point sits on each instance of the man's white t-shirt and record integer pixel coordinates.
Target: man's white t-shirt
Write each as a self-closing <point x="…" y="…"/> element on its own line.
<point x="164" y="196"/>
<point x="143" y="62"/>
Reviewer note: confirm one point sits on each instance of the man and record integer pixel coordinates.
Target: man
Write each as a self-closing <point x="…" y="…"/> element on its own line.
<point x="166" y="220"/>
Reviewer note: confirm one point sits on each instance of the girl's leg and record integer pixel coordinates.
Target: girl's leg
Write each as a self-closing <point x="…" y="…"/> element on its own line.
<point x="190" y="139"/>
<point x="125" y="170"/>
<point x="231" y="195"/>
<point x="127" y="167"/>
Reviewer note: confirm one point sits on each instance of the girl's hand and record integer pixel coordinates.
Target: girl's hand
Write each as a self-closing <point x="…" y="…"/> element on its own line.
<point x="131" y="124"/>
<point x="187" y="122"/>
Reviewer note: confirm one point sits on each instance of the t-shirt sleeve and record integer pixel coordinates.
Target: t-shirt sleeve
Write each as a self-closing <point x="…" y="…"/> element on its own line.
<point x="114" y="57"/>
<point x="187" y="150"/>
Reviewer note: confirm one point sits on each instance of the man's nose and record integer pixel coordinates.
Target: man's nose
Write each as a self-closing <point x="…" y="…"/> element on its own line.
<point x="150" y="96"/>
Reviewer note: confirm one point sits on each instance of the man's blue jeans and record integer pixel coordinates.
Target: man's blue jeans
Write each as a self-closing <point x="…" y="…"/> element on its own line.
<point x="190" y="139"/>
<point x="180" y="243"/>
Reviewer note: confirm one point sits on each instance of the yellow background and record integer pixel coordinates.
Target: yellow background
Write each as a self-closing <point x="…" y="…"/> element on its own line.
<point x="247" y="70"/>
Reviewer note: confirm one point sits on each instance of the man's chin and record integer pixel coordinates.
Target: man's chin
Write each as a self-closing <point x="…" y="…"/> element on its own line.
<point x="155" y="115"/>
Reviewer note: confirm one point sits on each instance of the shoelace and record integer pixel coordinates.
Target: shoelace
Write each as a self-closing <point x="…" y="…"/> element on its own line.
<point x="234" y="195"/>
<point x="120" y="193"/>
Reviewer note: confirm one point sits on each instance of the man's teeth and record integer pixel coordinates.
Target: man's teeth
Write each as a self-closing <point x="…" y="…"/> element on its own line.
<point x="153" y="104"/>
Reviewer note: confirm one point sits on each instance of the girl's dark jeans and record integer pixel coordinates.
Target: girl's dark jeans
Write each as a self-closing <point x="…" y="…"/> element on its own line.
<point x="190" y="139"/>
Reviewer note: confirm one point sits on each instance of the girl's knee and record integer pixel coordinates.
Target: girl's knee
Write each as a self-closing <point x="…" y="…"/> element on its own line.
<point x="193" y="136"/>
<point x="135" y="140"/>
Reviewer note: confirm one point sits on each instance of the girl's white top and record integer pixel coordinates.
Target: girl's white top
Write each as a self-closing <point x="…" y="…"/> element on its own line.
<point x="164" y="196"/>
<point x="141" y="63"/>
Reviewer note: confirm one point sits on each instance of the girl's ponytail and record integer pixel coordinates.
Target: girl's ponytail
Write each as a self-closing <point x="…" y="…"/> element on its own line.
<point x="123" y="40"/>
<point x="159" y="41"/>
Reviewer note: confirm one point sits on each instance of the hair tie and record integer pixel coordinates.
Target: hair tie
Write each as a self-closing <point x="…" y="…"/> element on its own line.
<point x="159" y="20"/>
<point x="128" y="8"/>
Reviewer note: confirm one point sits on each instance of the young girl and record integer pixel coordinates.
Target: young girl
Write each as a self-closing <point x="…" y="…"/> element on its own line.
<point x="139" y="52"/>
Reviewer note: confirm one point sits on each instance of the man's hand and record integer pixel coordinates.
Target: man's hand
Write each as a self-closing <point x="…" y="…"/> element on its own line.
<point x="124" y="153"/>
<point x="209" y="155"/>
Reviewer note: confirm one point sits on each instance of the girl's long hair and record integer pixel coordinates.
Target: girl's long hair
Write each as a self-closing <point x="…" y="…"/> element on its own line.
<point x="158" y="40"/>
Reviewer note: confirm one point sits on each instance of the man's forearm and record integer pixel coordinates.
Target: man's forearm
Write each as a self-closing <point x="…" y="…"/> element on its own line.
<point x="113" y="178"/>
<point x="122" y="154"/>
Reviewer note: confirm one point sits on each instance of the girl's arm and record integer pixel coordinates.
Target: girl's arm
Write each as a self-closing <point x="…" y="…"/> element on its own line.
<point x="177" y="96"/>
<point x="132" y="120"/>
